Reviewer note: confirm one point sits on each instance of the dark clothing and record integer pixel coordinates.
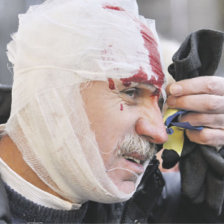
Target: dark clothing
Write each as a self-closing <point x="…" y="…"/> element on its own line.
<point x="199" y="55"/>
<point x="5" y="215"/>
<point x="153" y="202"/>
<point x="23" y="211"/>
<point x="138" y="208"/>
<point x="148" y="205"/>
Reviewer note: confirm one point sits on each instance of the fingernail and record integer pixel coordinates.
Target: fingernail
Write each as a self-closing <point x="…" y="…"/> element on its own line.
<point x="171" y="101"/>
<point x="175" y="89"/>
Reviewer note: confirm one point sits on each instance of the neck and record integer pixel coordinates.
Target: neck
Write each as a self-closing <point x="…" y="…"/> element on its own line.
<point x="10" y="154"/>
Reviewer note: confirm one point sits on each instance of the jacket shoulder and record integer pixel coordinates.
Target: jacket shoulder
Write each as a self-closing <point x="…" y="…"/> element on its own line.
<point x="4" y="205"/>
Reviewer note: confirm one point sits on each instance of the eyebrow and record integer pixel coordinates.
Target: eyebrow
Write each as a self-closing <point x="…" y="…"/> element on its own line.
<point x="150" y="87"/>
<point x="140" y="85"/>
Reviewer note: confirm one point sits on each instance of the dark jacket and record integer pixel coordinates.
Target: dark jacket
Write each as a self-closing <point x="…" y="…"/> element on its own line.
<point x="15" y="208"/>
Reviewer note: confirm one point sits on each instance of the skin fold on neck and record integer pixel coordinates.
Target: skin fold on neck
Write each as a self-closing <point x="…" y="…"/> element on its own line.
<point x="10" y="154"/>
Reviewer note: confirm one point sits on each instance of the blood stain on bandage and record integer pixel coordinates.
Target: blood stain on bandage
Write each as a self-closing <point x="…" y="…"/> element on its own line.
<point x="154" y="56"/>
<point x="121" y="107"/>
<point x="113" y="7"/>
<point x="111" y="84"/>
<point x="154" y="60"/>
<point x="140" y="77"/>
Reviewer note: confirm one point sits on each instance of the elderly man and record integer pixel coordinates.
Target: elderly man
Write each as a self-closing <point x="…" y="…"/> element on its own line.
<point x="85" y="117"/>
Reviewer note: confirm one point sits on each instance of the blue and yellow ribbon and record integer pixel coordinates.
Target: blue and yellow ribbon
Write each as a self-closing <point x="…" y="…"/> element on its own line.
<point x="175" y="130"/>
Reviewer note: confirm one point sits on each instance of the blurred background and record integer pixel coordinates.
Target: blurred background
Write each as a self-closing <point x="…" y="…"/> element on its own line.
<point x="175" y="19"/>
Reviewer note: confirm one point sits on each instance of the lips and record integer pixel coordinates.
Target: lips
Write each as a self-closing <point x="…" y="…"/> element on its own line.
<point x="133" y="162"/>
<point x="131" y="167"/>
<point x="135" y="158"/>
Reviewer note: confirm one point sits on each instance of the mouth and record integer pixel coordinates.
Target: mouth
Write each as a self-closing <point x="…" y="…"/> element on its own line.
<point x="135" y="158"/>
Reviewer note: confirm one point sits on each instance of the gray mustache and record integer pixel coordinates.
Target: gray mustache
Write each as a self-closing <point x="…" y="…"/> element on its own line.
<point x="137" y="144"/>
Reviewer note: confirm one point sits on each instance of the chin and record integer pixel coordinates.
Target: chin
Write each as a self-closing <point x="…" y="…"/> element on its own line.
<point x="127" y="187"/>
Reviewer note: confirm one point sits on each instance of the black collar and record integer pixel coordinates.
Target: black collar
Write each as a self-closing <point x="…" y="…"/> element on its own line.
<point x="4" y="205"/>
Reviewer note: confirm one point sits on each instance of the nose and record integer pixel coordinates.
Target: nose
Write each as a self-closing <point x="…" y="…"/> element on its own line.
<point x="152" y="127"/>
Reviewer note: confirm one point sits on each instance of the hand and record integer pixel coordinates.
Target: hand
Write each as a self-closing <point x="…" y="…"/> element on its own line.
<point x="204" y="97"/>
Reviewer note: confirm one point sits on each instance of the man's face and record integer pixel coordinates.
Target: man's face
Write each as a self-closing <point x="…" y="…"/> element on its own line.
<point x="126" y="121"/>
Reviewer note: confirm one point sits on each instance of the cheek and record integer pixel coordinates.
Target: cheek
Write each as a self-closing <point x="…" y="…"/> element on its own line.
<point x="109" y="131"/>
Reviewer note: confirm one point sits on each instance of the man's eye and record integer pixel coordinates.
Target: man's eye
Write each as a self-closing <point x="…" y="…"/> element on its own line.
<point x="132" y="92"/>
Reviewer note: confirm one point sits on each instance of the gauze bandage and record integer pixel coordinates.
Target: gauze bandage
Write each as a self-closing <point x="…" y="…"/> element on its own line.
<point x="58" y="46"/>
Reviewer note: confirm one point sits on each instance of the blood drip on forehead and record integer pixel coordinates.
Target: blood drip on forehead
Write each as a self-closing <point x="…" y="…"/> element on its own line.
<point x="121" y="107"/>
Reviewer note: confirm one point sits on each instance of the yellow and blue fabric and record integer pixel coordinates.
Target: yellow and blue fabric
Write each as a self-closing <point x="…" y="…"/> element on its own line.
<point x="175" y="130"/>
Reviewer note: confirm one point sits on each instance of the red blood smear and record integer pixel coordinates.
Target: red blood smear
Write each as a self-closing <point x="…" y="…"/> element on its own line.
<point x="111" y="83"/>
<point x="154" y="57"/>
<point x="140" y="77"/>
<point x="154" y="60"/>
<point x="113" y="7"/>
<point x="121" y="107"/>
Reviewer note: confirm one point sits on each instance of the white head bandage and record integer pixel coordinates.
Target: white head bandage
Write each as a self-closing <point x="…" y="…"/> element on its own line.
<point x="58" y="46"/>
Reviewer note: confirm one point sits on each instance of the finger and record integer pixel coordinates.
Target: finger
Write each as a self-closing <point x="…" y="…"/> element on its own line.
<point x="199" y="103"/>
<point x="215" y="121"/>
<point x="207" y="136"/>
<point x="200" y="85"/>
